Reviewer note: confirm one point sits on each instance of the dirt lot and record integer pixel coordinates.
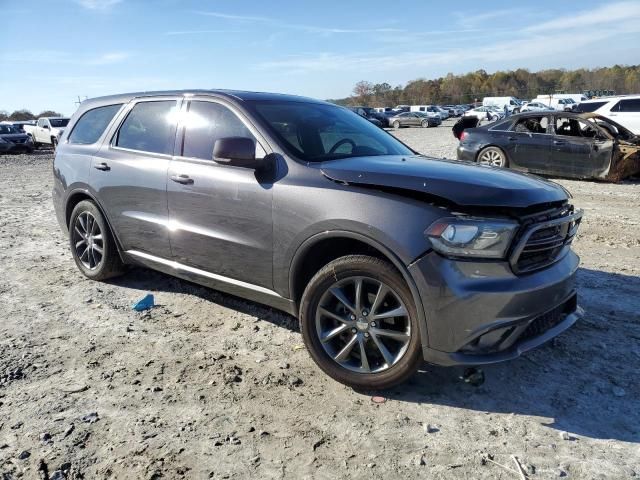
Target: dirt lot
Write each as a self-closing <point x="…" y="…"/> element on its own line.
<point x="210" y="386"/>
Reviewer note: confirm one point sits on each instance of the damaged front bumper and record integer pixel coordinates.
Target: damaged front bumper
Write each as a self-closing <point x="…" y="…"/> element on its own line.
<point x="481" y="312"/>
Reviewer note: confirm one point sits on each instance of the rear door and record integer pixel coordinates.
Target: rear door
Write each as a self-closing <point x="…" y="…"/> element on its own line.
<point x="220" y="216"/>
<point x="627" y="113"/>
<point x="579" y="150"/>
<point x="130" y="174"/>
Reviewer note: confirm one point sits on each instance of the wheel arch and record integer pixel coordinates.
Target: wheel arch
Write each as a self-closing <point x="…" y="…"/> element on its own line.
<point x="322" y="248"/>
<point x="77" y="196"/>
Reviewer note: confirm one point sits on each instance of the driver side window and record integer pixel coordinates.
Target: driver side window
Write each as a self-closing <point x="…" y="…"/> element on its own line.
<point x="206" y="122"/>
<point x="572" y="127"/>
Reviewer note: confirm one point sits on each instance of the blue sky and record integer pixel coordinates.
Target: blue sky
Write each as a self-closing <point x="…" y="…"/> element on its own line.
<point x="51" y="52"/>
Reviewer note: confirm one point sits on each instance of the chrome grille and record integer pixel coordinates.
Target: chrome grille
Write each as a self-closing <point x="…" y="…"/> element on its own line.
<point x="543" y="243"/>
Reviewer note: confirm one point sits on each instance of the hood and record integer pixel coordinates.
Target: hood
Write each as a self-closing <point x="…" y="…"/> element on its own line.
<point x="465" y="184"/>
<point x="14" y="137"/>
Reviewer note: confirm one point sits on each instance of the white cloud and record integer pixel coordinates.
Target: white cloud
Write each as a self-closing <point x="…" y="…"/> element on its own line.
<point x="294" y="26"/>
<point x="599" y="17"/>
<point x="552" y="40"/>
<point x="470" y="19"/>
<point x="97" y="4"/>
<point x="109" y="58"/>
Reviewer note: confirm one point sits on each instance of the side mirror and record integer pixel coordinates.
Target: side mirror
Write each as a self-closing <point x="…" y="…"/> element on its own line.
<point x="46" y="126"/>
<point x="236" y="152"/>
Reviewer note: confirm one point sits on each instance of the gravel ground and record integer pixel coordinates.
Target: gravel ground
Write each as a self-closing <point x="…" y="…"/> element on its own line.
<point x="210" y="386"/>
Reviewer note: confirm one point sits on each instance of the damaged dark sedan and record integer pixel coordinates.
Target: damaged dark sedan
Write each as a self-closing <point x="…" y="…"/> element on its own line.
<point x="562" y="144"/>
<point x="388" y="258"/>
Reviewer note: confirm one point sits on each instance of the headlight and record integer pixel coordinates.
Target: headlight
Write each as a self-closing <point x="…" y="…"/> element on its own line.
<point x="472" y="237"/>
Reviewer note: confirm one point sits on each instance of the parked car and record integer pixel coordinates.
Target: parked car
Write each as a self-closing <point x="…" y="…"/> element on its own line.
<point x="385" y="256"/>
<point x="430" y="110"/>
<point x="576" y="97"/>
<point x="622" y="109"/>
<point x="47" y="131"/>
<point x="454" y="111"/>
<point x="444" y="114"/>
<point x="414" y="119"/>
<point x="484" y="113"/>
<point x="535" y="107"/>
<point x="378" y="119"/>
<point x="21" y="124"/>
<point x="562" y="144"/>
<point x="512" y="104"/>
<point x="13" y="141"/>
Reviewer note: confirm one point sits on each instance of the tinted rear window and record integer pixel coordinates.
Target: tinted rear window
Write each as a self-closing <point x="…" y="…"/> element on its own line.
<point x="149" y="127"/>
<point x="589" y="107"/>
<point x="627" y="105"/>
<point x="58" y="122"/>
<point x="92" y="124"/>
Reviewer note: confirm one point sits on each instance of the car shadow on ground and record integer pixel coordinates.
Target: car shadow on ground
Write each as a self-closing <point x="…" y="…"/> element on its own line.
<point x="584" y="382"/>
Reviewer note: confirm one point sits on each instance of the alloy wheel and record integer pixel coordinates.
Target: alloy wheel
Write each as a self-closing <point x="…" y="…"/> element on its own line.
<point x="88" y="240"/>
<point x="363" y="325"/>
<point x="492" y="157"/>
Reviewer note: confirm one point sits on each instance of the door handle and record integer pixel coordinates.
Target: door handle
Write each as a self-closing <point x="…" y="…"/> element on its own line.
<point x="183" y="179"/>
<point x="102" y="166"/>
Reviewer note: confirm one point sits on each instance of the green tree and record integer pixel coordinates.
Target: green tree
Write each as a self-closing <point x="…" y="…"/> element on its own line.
<point x="19" y="115"/>
<point x="49" y="113"/>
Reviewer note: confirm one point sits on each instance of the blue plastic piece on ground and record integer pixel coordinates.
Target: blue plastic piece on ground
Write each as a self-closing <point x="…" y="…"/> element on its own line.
<point x="145" y="303"/>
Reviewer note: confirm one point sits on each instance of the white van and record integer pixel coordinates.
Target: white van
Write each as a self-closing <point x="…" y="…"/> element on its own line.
<point x="576" y="97"/>
<point x="624" y="110"/>
<point x="562" y="104"/>
<point x="430" y="110"/>
<point x="510" y="102"/>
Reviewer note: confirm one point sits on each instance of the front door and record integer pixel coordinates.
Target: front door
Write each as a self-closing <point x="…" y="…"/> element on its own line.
<point x="42" y="132"/>
<point x="579" y="150"/>
<point x="130" y="175"/>
<point x="220" y="216"/>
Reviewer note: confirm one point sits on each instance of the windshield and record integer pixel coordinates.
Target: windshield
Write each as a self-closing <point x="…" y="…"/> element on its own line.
<point x="58" y="122"/>
<point x="316" y="132"/>
<point x="8" y="129"/>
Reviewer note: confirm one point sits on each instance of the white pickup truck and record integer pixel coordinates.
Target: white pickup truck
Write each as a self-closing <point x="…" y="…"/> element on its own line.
<point x="46" y="131"/>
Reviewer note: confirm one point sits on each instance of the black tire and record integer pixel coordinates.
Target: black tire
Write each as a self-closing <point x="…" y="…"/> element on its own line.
<point x="493" y="156"/>
<point x="396" y="125"/>
<point x="35" y="144"/>
<point x="54" y="142"/>
<point x="425" y="124"/>
<point x="110" y="264"/>
<point x="343" y="269"/>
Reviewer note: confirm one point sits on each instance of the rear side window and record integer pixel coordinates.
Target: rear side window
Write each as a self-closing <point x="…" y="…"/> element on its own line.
<point x="92" y="124"/>
<point x="627" y="105"/>
<point x="149" y="127"/>
<point x="589" y="107"/>
<point x="205" y="123"/>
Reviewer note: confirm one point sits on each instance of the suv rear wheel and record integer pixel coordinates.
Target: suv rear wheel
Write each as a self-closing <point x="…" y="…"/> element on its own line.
<point x="92" y="245"/>
<point x="358" y="321"/>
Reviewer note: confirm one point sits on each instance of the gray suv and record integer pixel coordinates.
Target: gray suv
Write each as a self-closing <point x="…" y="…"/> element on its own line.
<point x="388" y="258"/>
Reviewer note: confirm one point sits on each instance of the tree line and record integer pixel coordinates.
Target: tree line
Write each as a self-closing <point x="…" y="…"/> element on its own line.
<point x="21" y="115"/>
<point x="521" y="83"/>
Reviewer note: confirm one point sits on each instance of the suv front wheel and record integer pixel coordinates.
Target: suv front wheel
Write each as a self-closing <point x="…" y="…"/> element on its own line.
<point x="358" y="321"/>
